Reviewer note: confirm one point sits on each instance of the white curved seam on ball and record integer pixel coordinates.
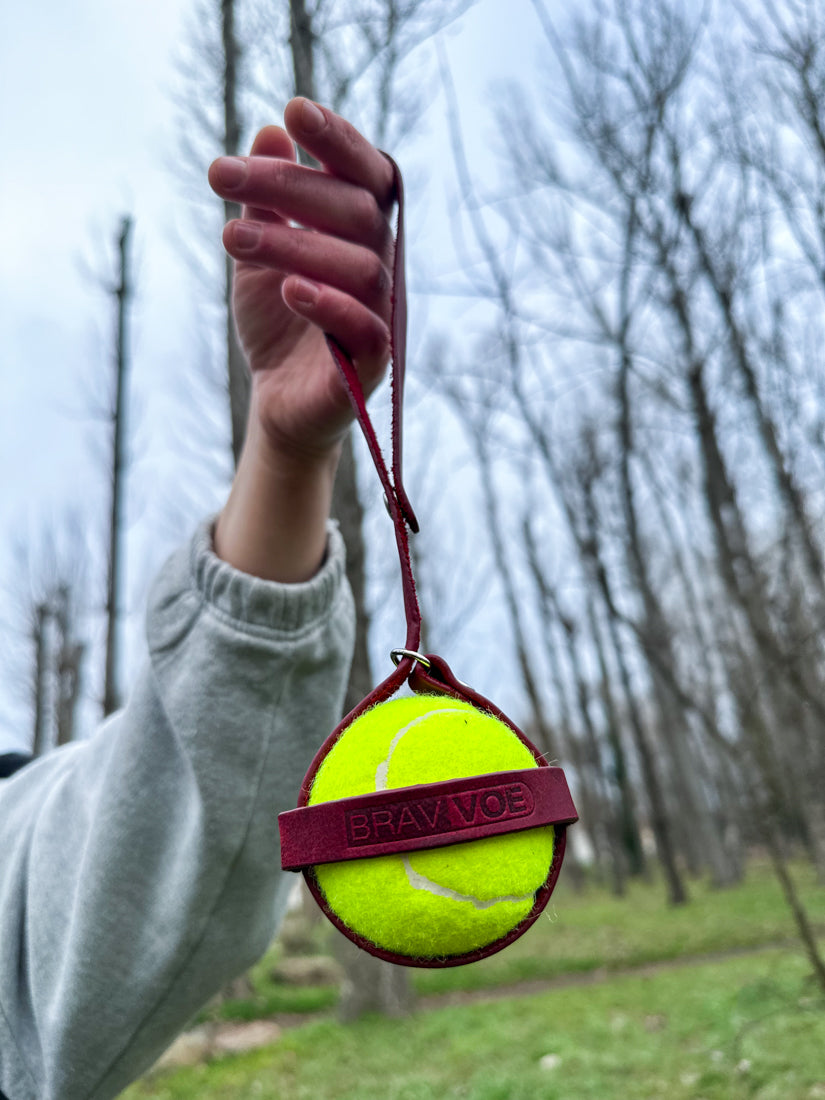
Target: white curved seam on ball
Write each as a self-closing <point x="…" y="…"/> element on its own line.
<point x="383" y="768"/>
<point x="421" y="882"/>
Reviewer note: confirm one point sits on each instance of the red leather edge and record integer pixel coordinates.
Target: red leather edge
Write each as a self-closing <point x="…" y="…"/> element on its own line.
<point x="432" y="815"/>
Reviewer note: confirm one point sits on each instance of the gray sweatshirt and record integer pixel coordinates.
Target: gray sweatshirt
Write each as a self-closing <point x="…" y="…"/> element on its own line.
<point x="140" y="870"/>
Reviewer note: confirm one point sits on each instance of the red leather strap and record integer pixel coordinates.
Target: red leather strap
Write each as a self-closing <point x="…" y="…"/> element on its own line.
<point x="430" y="815"/>
<point x="398" y="503"/>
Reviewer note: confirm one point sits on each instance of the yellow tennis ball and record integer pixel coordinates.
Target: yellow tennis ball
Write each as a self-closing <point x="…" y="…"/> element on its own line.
<point x="441" y="902"/>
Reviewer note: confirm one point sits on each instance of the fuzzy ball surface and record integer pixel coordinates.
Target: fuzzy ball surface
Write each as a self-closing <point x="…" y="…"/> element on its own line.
<point x="442" y="902"/>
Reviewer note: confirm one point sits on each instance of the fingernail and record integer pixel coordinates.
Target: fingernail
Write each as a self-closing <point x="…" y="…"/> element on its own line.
<point x="246" y="235"/>
<point x="232" y="171"/>
<point x="305" y="292"/>
<point x="312" y="118"/>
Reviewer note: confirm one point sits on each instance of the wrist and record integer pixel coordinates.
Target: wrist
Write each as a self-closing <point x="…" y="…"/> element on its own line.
<point x="285" y="461"/>
<point x="274" y="523"/>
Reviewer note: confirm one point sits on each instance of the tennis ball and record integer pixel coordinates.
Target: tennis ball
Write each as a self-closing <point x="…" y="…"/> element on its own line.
<point x="441" y="902"/>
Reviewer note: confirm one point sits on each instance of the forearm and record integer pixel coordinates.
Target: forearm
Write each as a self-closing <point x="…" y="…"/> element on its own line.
<point x="273" y="525"/>
<point x="141" y="869"/>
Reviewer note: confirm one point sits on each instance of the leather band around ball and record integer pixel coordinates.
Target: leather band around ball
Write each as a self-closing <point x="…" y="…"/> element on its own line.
<point x="432" y="815"/>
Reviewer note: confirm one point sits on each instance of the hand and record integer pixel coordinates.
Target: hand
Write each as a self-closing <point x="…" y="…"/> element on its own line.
<point x="294" y="284"/>
<point x="291" y="286"/>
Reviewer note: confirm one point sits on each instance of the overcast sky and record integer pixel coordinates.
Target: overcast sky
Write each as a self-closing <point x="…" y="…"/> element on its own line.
<point x="87" y="133"/>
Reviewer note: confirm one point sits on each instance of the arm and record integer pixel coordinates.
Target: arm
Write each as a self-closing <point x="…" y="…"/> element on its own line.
<point x="274" y="524"/>
<point x="140" y="870"/>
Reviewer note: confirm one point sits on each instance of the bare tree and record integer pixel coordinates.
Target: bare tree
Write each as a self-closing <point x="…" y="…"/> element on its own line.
<point x="68" y="657"/>
<point x="237" y="373"/>
<point x="659" y="244"/>
<point x="501" y="289"/>
<point x="121" y="291"/>
<point x="46" y="624"/>
<point x="583" y="749"/>
<point x="40" y="675"/>
<point x="213" y="103"/>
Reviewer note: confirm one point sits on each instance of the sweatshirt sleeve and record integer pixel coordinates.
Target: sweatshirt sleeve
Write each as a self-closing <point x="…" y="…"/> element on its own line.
<point x="140" y="870"/>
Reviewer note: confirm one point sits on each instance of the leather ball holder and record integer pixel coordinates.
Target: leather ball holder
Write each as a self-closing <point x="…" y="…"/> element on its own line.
<point x="358" y="827"/>
<point x="432" y="815"/>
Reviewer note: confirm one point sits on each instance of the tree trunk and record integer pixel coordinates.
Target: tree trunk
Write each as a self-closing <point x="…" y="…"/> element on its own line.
<point x="791" y="495"/>
<point x="626" y="819"/>
<point x="122" y="293"/>
<point x="597" y="809"/>
<point x="371" y="984"/>
<point x="806" y="932"/>
<point x="238" y="380"/>
<point x="660" y="821"/>
<point x="348" y="510"/>
<point x="545" y="737"/>
<point x="700" y="840"/>
<point x="39" y="686"/>
<point x="659" y="818"/>
<point x="712" y="763"/>
<point x="302" y="44"/>
<point x="68" y="658"/>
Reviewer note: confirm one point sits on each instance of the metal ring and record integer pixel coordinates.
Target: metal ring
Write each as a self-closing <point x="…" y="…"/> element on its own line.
<point x="397" y="654"/>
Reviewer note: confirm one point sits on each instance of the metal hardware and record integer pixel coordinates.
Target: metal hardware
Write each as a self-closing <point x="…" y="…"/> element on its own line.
<point x="397" y="654"/>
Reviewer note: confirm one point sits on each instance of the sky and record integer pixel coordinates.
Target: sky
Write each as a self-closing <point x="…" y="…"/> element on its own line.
<point x="87" y="133"/>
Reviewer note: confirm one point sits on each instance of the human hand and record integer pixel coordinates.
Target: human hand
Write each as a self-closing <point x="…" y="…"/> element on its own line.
<point x="333" y="274"/>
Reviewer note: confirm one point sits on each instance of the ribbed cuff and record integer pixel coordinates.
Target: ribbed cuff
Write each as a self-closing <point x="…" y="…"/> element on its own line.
<point x="270" y="605"/>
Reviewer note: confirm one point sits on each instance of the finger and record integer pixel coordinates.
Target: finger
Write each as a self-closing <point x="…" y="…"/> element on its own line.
<point x="310" y="198"/>
<point x="362" y="333"/>
<point x="227" y="175"/>
<point x="340" y="148"/>
<point x="351" y="268"/>
<point x="274" y="143"/>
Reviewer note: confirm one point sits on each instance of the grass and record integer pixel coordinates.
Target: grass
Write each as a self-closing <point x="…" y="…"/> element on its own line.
<point x="582" y="932"/>
<point x="273" y="998"/>
<point x="747" y="1027"/>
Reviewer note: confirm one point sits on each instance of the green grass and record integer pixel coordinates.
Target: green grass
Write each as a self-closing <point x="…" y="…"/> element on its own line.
<point x="581" y="932"/>
<point x="746" y="1028"/>
<point x="272" y="999"/>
